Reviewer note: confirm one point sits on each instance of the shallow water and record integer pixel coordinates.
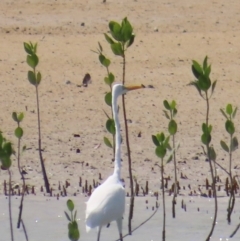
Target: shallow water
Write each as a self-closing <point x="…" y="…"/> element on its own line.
<point x="45" y="220"/>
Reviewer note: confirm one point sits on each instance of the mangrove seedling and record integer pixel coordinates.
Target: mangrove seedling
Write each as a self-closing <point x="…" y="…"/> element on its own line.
<point x="162" y="147"/>
<point x="229" y="113"/>
<point x="19" y="134"/>
<point x="73" y="231"/>
<point x="170" y="113"/>
<point x="109" y="79"/>
<point x="204" y="85"/>
<point x="35" y="78"/>
<point x="6" y="152"/>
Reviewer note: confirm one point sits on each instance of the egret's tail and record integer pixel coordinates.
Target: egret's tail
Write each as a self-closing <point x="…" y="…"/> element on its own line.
<point x="88" y="228"/>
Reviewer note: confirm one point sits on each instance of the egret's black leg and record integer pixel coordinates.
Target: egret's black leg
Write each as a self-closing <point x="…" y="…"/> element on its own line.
<point x="99" y="232"/>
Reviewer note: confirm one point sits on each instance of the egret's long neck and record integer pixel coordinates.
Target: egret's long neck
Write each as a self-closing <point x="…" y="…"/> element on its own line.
<point x="117" y="167"/>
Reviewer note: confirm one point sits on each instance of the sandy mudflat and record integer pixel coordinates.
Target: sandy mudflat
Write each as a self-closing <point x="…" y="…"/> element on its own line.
<point x="186" y="30"/>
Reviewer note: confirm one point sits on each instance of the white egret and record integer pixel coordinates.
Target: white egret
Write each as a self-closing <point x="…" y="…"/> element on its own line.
<point x="107" y="202"/>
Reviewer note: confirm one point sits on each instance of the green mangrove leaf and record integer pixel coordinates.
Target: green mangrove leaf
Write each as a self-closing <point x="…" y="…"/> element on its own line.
<point x="166" y="105"/>
<point x="32" y="78"/>
<point x="206" y="138"/>
<point x="7" y="148"/>
<point x="32" y="60"/>
<point x="204" y="83"/>
<point x="107" y="142"/>
<point x="19" y="132"/>
<point x="224" y="146"/>
<point x="169" y="158"/>
<point x="109" y="40"/>
<point x="67" y="216"/>
<point x="196" y="85"/>
<point x="160" y="151"/>
<point x="20" y="116"/>
<point x="224" y="114"/>
<point x="73" y="232"/>
<point x="166" y="114"/>
<point x="234" y="113"/>
<point x="27" y="48"/>
<point x="214" y="86"/>
<point x="104" y="61"/>
<point x="14" y="116"/>
<point x="155" y="140"/>
<point x="205" y="65"/>
<point x="196" y="69"/>
<point x="212" y="154"/>
<point x="172" y="127"/>
<point x="204" y="128"/>
<point x="174" y="112"/>
<point x="6" y="161"/>
<point x="207" y="71"/>
<point x="115" y="30"/>
<point x="100" y="47"/>
<point x="234" y="144"/>
<point x="126" y="30"/>
<point x="117" y="49"/>
<point x="110" y="126"/>
<point x="166" y="143"/>
<point x="161" y="137"/>
<point x="131" y="40"/>
<point x="75" y="215"/>
<point x="229" y="126"/>
<point x="70" y="205"/>
<point x="173" y="105"/>
<point x="229" y="109"/>
<point x="108" y="98"/>
<point x="107" y="81"/>
<point x="111" y="77"/>
<point x="209" y="129"/>
<point x="39" y="78"/>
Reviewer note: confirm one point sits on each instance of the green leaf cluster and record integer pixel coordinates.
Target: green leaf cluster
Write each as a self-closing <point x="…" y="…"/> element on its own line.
<point x="104" y="61"/>
<point x="110" y="126"/>
<point x="229" y="113"/>
<point x="202" y="74"/>
<point x="6" y="151"/>
<point x="206" y="136"/>
<point x="212" y="153"/>
<point x="108" y="98"/>
<point x="170" y="113"/>
<point x="122" y="36"/>
<point x="18" y="118"/>
<point x="32" y="60"/>
<point x="73" y="230"/>
<point x="109" y="79"/>
<point x="162" y="144"/>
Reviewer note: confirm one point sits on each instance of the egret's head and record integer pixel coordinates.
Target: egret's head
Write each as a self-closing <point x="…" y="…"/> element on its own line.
<point x="119" y="89"/>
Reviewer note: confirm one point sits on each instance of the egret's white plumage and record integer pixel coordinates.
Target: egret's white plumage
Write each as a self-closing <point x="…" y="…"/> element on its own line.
<point x="107" y="202"/>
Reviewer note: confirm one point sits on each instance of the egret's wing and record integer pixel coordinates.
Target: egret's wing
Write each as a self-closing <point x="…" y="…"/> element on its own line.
<point x="105" y="203"/>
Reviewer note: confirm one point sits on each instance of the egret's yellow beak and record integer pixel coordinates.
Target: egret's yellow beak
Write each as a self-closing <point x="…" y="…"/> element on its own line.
<point x="134" y="87"/>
